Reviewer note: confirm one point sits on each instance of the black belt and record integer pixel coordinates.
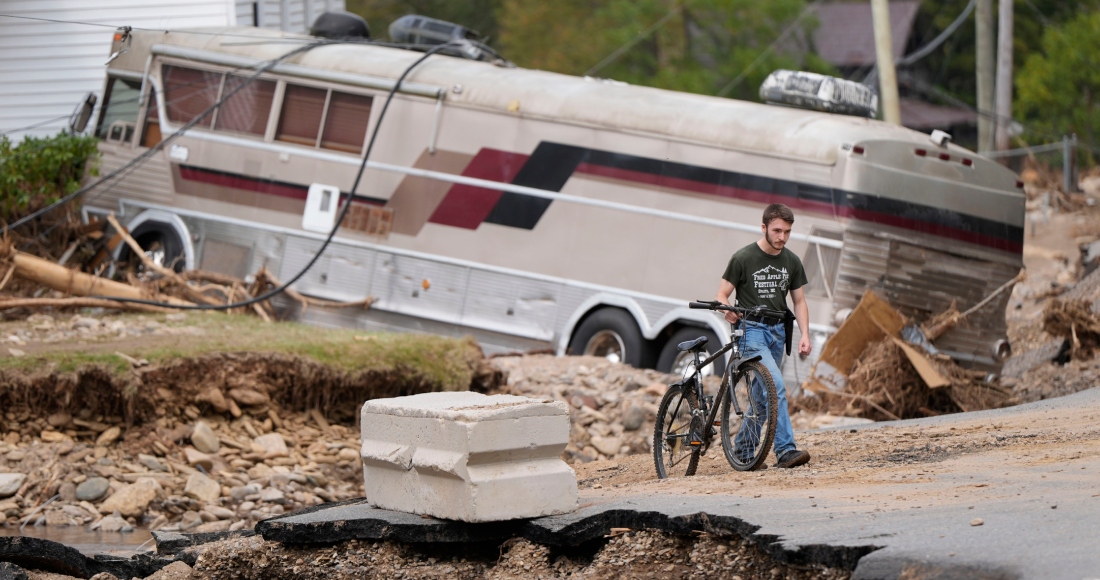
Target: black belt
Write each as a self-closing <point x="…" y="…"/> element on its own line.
<point x="770" y="321"/>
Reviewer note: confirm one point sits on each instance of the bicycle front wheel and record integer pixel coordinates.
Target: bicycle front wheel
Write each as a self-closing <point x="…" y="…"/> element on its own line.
<point x="749" y="412"/>
<point x="672" y="449"/>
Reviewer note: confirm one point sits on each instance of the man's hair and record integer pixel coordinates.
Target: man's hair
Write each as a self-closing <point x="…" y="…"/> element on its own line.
<point x="778" y="210"/>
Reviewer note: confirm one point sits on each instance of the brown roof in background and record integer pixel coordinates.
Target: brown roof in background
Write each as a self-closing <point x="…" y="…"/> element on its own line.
<point x="846" y="35"/>
<point x="920" y="115"/>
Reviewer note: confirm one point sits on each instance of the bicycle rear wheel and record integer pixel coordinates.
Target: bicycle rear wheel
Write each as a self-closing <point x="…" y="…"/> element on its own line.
<point x="672" y="451"/>
<point x="752" y="422"/>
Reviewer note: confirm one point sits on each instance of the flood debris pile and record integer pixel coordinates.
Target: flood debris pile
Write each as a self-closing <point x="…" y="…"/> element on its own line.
<point x="139" y="281"/>
<point x="882" y="366"/>
<point x="1075" y="322"/>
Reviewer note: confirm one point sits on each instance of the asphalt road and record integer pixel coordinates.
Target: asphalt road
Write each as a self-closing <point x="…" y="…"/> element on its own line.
<point x="1017" y="495"/>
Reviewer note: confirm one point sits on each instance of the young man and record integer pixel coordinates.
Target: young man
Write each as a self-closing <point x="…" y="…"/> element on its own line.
<point x="762" y="273"/>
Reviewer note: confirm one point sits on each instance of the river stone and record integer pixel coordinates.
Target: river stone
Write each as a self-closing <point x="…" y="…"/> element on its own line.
<point x="215" y="398"/>
<point x="273" y="444"/>
<point x="174" y="571"/>
<point x="220" y="512"/>
<point x="260" y="471"/>
<point x="132" y="500"/>
<point x="607" y="445"/>
<point x="67" y="491"/>
<point x="10" y="483"/>
<point x="92" y="489"/>
<point x="198" y="459"/>
<point x="204" y="439"/>
<point x="152" y="463"/>
<point x="242" y="491"/>
<point x="202" y="488"/>
<point x="108" y="437"/>
<point x="247" y="397"/>
<point x="634" y="417"/>
<point x="51" y="437"/>
<point x="59" y="419"/>
<point x="113" y="523"/>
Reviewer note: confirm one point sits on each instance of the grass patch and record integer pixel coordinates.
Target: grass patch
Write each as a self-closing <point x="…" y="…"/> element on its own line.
<point x="447" y="362"/>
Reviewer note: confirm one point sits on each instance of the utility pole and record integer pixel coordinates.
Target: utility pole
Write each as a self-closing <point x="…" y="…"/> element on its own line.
<point x="1004" y="73"/>
<point x="985" y="66"/>
<point x="884" y="56"/>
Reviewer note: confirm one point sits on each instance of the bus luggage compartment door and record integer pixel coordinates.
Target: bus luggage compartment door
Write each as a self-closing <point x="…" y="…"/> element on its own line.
<point x="341" y="273"/>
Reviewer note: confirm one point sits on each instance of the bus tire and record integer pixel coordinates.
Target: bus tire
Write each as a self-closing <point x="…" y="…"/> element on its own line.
<point x="672" y="360"/>
<point x="611" y="333"/>
<point x="160" y="242"/>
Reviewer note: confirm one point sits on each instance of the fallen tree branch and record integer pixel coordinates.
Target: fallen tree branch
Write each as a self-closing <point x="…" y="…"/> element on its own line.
<point x="366" y="302"/>
<point x="171" y="275"/>
<point x="865" y="400"/>
<point x="7" y="304"/>
<point x="937" y="330"/>
<point x="75" y="283"/>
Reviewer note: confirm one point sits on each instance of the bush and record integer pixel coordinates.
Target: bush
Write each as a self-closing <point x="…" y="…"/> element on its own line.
<point x="39" y="171"/>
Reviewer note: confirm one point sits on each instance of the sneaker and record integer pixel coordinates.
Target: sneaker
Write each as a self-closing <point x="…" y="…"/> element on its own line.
<point x="792" y="458"/>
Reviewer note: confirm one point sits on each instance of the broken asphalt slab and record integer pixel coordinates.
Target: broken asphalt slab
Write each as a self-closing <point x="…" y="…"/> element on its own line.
<point x="1020" y="535"/>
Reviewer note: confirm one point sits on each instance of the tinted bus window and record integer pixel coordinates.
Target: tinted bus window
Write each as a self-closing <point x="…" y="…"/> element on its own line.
<point x="120" y="109"/>
<point x="346" y="122"/>
<point x="300" y="119"/>
<point x="189" y="92"/>
<point x="248" y="109"/>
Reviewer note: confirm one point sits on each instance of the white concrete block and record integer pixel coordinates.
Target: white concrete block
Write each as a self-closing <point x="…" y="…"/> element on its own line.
<point x="467" y="456"/>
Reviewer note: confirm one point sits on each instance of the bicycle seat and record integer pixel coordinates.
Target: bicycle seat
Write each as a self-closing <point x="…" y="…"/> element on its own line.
<point x="692" y="344"/>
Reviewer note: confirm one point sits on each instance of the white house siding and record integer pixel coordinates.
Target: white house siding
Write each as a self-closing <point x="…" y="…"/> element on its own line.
<point x="46" y="67"/>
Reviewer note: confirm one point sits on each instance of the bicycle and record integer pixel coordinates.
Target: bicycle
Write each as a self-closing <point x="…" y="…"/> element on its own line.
<point x="687" y="416"/>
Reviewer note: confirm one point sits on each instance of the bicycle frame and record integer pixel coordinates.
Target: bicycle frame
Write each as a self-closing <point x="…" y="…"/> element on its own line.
<point x="732" y="372"/>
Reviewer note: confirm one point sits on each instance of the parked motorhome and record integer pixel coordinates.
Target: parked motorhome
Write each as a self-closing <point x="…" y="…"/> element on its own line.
<point x="533" y="209"/>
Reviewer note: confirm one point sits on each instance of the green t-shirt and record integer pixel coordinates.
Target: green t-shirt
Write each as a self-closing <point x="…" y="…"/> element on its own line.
<point x="760" y="278"/>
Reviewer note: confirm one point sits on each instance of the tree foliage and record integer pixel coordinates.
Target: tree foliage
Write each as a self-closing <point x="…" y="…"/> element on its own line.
<point x="1059" y="87"/>
<point x="38" y="171"/>
<point x="952" y="67"/>
<point x="700" y="46"/>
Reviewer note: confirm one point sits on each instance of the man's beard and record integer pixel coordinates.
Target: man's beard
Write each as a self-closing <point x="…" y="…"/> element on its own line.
<point x="768" y="238"/>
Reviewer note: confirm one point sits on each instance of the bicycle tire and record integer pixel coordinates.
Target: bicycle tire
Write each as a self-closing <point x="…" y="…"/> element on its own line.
<point x="671" y="431"/>
<point x="761" y="440"/>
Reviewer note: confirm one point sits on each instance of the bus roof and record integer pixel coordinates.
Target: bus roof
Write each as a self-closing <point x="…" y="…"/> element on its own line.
<point x="722" y="122"/>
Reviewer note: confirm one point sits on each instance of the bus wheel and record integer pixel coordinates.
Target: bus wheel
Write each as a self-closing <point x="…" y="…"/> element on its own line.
<point x="676" y="362"/>
<point x="161" y="244"/>
<point x="610" y="333"/>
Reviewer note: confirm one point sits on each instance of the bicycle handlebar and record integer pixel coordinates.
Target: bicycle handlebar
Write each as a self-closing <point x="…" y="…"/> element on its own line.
<point x="756" y="310"/>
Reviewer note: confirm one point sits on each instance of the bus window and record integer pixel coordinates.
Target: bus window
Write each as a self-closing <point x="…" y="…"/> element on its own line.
<point x="300" y="119"/>
<point x="346" y="122"/>
<point x="150" y="135"/>
<point x="189" y="92"/>
<point x="248" y="109"/>
<point x="121" y="102"/>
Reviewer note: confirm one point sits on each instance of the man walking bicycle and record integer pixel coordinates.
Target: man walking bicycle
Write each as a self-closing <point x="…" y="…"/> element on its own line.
<point x="761" y="274"/>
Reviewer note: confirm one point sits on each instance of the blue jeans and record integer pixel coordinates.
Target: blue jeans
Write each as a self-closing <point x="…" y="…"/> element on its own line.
<point x="769" y="341"/>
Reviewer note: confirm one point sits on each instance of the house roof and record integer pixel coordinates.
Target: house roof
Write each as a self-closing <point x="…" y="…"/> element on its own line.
<point x="846" y="35"/>
<point x="923" y="116"/>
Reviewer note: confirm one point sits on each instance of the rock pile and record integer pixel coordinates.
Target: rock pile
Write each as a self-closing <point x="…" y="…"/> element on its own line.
<point x="628" y="554"/>
<point x="612" y="406"/>
<point x="212" y="474"/>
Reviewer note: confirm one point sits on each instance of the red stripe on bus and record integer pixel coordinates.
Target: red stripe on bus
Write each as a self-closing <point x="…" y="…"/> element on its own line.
<point x="239" y="182"/>
<point x="800" y="204"/>
<point x="467" y="206"/>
